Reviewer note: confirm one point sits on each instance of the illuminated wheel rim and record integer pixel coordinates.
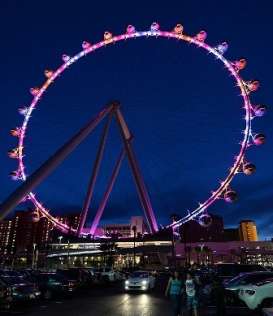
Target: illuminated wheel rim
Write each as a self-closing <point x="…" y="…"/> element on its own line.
<point x="177" y="34"/>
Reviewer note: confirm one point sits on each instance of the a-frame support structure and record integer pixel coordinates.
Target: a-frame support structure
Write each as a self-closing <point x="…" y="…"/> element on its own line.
<point x="111" y="111"/>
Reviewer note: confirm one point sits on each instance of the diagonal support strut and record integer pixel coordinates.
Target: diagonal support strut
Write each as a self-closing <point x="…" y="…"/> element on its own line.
<point x="139" y="181"/>
<point x="94" y="175"/>
<point x="51" y="164"/>
<point x="107" y="194"/>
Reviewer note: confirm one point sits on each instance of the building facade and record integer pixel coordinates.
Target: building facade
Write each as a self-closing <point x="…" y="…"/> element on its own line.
<point x="126" y="229"/>
<point x="192" y="231"/>
<point x="248" y="231"/>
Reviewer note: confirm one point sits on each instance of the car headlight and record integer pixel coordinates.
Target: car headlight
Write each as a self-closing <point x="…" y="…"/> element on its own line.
<point x="144" y="282"/>
<point x="126" y="282"/>
<point x="250" y="292"/>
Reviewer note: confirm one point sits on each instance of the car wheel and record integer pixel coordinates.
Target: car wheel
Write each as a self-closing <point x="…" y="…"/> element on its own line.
<point x="268" y="302"/>
<point x="47" y="295"/>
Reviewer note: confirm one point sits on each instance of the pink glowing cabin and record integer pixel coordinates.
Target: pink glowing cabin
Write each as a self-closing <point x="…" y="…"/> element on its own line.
<point x="259" y="110"/>
<point x="201" y="36"/>
<point x="230" y="196"/>
<point x="130" y="29"/>
<point x="259" y="139"/>
<point x="240" y="64"/>
<point x="155" y="27"/>
<point x="205" y="220"/>
<point x="86" y="45"/>
<point x="249" y="168"/>
<point x="107" y="36"/>
<point x="178" y="29"/>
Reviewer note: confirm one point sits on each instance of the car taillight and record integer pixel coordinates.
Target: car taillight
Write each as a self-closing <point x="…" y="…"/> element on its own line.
<point x="250" y="292"/>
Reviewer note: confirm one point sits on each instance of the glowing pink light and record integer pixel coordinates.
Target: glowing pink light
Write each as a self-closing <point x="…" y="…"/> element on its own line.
<point x="34" y="91"/>
<point x="231" y="67"/>
<point x="130" y="29"/>
<point x="65" y="58"/>
<point x="86" y="45"/>
<point x="155" y="27"/>
<point x="201" y="36"/>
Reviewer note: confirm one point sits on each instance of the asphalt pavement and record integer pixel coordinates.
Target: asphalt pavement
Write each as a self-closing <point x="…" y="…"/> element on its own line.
<point x="112" y="301"/>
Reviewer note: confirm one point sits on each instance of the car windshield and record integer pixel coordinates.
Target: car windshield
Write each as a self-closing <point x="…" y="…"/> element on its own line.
<point x="235" y="269"/>
<point x="7" y="273"/>
<point x="12" y="280"/>
<point x="74" y="274"/>
<point x="52" y="277"/>
<point x="139" y="274"/>
<point x="250" y="278"/>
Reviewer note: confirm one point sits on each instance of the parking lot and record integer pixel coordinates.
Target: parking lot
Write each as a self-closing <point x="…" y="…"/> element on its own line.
<point x="111" y="300"/>
<point x="88" y="291"/>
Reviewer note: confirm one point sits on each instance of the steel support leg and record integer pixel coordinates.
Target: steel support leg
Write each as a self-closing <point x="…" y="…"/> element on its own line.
<point x="94" y="175"/>
<point x="141" y="188"/>
<point x="50" y="165"/>
<point x="107" y="194"/>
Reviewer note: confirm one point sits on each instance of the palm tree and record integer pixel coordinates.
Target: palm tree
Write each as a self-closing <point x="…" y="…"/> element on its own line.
<point x="104" y="248"/>
<point x="198" y="250"/>
<point x="207" y="251"/>
<point x="134" y="229"/>
<point x="188" y="251"/>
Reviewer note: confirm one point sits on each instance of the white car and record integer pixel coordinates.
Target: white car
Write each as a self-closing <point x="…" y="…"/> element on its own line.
<point x="247" y="278"/>
<point x="257" y="295"/>
<point x="140" y="281"/>
<point x="107" y="273"/>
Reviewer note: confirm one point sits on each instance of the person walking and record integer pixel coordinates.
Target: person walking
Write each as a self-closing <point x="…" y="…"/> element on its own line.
<point x="174" y="289"/>
<point x="191" y="287"/>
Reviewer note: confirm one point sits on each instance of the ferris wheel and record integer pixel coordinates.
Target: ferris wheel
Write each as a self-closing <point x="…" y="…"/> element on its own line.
<point x="224" y="190"/>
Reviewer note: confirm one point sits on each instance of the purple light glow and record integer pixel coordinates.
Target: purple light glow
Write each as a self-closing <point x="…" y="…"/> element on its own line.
<point x="232" y="67"/>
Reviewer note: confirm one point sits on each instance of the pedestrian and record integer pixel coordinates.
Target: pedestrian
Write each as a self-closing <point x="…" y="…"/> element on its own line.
<point x="191" y="287"/>
<point x="218" y="294"/>
<point x="174" y="290"/>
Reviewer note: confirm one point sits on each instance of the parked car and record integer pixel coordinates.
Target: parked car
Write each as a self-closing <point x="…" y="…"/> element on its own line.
<point x="227" y="271"/>
<point x="5" y="296"/>
<point x="77" y="277"/>
<point x="108" y="274"/>
<point x="247" y="278"/>
<point x="257" y="295"/>
<point x="20" y="289"/>
<point x="232" y="286"/>
<point x="140" y="280"/>
<point x="52" y="285"/>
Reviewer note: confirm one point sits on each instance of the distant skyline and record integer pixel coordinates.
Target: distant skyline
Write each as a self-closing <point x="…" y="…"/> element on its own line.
<point x="180" y="104"/>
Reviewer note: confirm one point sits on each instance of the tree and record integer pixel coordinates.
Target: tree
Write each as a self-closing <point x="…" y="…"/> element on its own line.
<point x="108" y="248"/>
<point x="188" y="250"/>
<point x="198" y="250"/>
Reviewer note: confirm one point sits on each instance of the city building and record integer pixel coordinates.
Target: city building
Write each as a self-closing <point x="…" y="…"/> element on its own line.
<point x="192" y="231"/>
<point x="25" y="230"/>
<point x="231" y="234"/>
<point x="126" y="229"/>
<point x="248" y="231"/>
<point x="5" y="237"/>
<point x="251" y="252"/>
<point x="71" y="220"/>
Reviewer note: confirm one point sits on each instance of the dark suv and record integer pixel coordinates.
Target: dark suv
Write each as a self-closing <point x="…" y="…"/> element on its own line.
<point x="52" y="284"/>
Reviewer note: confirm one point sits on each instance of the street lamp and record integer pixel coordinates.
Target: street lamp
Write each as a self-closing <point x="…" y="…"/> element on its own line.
<point x="60" y="239"/>
<point x="34" y="255"/>
<point x="134" y="228"/>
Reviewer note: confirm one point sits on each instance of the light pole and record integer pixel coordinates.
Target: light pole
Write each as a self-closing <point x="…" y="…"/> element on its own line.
<point x="134" y="228"/>
<point x="68" y="254"/>
<point x="60" y="239"/>
<point x="34" y="255"/>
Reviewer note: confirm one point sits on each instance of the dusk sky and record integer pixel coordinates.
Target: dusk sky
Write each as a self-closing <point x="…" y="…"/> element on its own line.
<point x="179" y="102"/>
